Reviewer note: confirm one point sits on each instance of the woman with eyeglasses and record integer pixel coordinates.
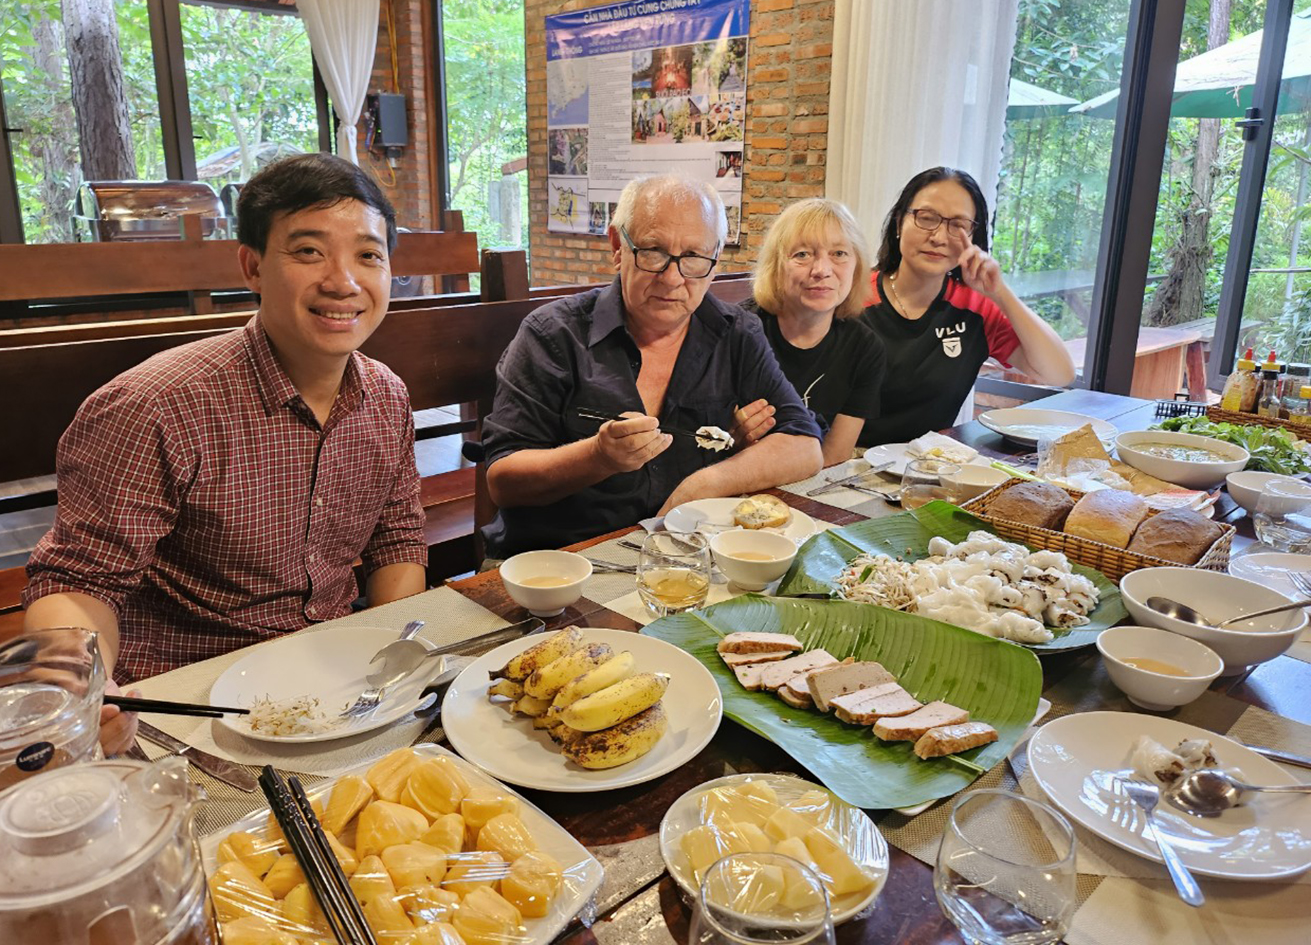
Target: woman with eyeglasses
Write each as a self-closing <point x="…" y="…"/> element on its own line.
<point x="809" y="291"/>
<point x="941" y="309"/>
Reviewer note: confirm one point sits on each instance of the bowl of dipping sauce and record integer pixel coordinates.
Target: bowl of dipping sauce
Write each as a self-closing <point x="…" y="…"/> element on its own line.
<point x="752" y="559"/>
<point x="1186" y="459"/>
<point x="1155" y="668"/>
<point x="546" y="582"/>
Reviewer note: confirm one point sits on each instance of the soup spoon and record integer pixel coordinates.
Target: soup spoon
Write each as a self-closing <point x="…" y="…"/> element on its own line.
<point x="1210" y="792"/>
<point x="1178" y="611"/>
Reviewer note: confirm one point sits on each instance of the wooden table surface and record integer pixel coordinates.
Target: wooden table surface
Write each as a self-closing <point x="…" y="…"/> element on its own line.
<point x="640" y="905"/>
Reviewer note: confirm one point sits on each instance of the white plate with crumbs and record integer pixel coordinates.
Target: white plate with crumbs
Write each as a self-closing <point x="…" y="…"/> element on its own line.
<point x="1075" y="760"/>
<point x="1028" y="425"/>
<point x="710" y="516"/>
<point x="328" y="664"/>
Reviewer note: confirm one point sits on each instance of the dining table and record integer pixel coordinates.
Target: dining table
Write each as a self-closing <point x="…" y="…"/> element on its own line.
<point x="1123" y="899"/>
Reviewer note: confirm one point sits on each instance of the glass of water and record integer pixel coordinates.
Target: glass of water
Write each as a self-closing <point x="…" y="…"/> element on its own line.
<point x="751" y="898"/>
<point x="1005" y="873"/>
<point x="922" y="482"/>
<point x="1283" y="516"/>
<point x="673" y="574"/>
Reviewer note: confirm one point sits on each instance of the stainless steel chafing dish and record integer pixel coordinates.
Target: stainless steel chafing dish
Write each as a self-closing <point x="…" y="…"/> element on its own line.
<point x="135" y="210"/>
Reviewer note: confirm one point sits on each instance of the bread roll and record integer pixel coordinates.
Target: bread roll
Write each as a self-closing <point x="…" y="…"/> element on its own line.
<point x="1110" y="516"/>
<point x="762" y="511"/>
<point x="1033" y="503"/>
<point x="1179" y="535"/>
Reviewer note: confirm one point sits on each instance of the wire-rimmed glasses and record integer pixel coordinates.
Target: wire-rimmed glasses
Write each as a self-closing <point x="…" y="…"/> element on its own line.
<point x="650" y="259"/>
<point x="931" y="219"/>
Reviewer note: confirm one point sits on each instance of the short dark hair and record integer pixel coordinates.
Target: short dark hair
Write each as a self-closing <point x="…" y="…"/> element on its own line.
<point x="299" y="183"/>
<point x="890" y="251"/>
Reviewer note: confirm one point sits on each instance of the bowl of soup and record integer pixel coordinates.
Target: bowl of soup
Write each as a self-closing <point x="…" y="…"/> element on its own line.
<point x="545" y="582"/>
<point x="1185" y="459"/>
<point x="752" y="559"/>
<point x="1155" y="668"/>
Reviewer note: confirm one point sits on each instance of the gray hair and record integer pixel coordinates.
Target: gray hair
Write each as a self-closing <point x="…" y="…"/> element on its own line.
<point x="649" y="190"/>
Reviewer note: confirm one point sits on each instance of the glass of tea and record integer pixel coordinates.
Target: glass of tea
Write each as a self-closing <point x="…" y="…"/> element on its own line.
<point x="673" y="574"/>
<point x="922" y="482"/>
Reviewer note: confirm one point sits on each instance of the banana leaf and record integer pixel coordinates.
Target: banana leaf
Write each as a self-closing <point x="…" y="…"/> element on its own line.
<point x="998" y="682"/>
<point x="906" y="535"/>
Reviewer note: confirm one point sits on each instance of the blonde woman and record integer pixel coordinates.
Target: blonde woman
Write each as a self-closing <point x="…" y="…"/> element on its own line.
<point x="809" y="290"/>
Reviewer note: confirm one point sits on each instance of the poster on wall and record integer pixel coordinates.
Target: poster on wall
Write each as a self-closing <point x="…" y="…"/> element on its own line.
<point x="643" y="87"/>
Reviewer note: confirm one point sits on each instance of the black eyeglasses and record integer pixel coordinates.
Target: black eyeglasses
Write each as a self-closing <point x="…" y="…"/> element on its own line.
<point x="957" y="226"/>
<point x="690" y="265"/>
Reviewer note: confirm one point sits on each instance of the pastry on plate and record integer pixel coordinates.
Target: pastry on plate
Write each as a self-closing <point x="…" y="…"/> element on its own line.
<point x="762" y="511"/>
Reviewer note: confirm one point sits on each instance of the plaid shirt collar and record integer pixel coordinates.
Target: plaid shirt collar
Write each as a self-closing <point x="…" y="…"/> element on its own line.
<point x="276" y="389"/>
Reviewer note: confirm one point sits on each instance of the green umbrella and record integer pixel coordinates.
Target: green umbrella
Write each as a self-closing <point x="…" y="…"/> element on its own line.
<point x="1029" y="101"/>
<point x="1218" y="83"/>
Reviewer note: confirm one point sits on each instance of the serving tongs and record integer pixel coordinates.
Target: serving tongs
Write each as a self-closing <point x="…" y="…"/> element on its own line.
<point x="590" y="413"/>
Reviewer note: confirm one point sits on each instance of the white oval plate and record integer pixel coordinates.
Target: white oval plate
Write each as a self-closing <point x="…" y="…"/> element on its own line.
<point x="1271" y="568"/>
<point x="330" y="664"/>
<point x="860" y="837"/>
<point x="710" y="516"/>
<point x="1027" y="425"/>
<point x="895" y="453"/>
<point x="582" y="873"/>
<point x="1075" y="759"/>
<point x="508" y="747"/>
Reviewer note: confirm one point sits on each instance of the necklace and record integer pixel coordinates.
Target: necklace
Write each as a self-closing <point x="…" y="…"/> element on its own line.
<point x="900" y="305"/>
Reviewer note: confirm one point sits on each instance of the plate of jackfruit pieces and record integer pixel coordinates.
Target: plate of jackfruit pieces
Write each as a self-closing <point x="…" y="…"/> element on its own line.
<point x="437" y="853"/>
<point x="585" y="709"/>
<point x="784" y="814"/>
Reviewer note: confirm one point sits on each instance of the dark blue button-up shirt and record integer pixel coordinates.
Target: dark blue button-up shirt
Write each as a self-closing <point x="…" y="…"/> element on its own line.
<point x="577" y="352"/>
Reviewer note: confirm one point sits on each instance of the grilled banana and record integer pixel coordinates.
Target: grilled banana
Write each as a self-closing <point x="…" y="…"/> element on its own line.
<point x="619" y="744"/>
<point x="527" y="705"/>
<point x="537" y="656"/>
<point x="548" y="679"/>
<point x="505" y="687"/>
<point x="613" y="704"/>
<point x="616" y="669"/>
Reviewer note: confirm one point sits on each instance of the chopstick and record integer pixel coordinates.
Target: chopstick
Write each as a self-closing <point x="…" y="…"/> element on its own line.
<point x="322" y="872"/>
<point x="587" y="413"/>
<point x="161" y="707"/>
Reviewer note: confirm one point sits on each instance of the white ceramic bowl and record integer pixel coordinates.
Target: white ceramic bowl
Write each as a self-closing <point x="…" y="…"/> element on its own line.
<point x="545" y="601"/>
<point x="1186" y="473"/>
<point x="1157" y="691"/>
<point x="971" y="481"/>
<point x="1218" y="596"/>
<point x="753" y="575"/>
<point x="1245" y="487"/>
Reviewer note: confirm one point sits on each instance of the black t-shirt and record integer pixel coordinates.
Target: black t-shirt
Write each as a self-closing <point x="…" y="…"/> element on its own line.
<point x="932" y="361"/>
<point x="842" y="374"/>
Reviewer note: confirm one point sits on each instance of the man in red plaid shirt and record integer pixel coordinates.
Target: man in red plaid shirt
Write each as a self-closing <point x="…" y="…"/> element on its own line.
<point x="218" y="494"/>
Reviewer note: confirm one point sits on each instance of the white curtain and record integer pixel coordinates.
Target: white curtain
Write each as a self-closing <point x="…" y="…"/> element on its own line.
<point x="916" y="83"/>
<point x="343" y="35"/>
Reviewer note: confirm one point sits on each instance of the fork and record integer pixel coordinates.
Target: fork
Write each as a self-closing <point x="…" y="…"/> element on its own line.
<point x="1147" y="796"/>
<point x="600" y="565"/>
<point x="1301" y="581"/>
<point x="369" y="699"/>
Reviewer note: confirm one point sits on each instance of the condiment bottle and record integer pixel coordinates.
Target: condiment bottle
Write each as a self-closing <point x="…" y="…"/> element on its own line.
<point x="103" y="854"/>
<point x="1241" y="386"/>
<point x="1269" y="402"/>
<point x="1301" y="414"/>
<point x="1290" y="386"/>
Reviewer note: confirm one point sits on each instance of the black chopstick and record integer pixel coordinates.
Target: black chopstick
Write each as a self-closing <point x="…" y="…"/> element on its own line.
<point x="588" y="413"/>
<point x="161" y="707"/>
<point x="332" y="866"/>
<point x="332" y="899"/>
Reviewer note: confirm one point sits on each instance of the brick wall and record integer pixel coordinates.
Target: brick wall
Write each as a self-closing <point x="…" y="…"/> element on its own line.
<point x="789" y="61"/>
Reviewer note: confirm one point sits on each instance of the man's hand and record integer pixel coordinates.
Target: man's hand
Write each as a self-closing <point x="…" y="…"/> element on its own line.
<point x="981" y="272"/>
<point x="118" y="729"/>
<point x="752" y="422"/>
<point x="631" y="443"/>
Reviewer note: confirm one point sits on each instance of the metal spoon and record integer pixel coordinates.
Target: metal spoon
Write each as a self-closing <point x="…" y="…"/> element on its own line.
<point x="1210" y="792"/>
<point x="399" y="658"/>
<point x="1178" y="611"/>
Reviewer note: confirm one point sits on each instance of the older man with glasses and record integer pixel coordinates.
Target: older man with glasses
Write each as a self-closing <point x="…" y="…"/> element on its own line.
<point x="654" y="349"/>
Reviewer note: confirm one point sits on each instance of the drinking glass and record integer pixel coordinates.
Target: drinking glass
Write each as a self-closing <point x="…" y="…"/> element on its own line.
<point x="1005" y="873"/>
<point x="1283" y="516"/>
<point x="751" y="898"/>
<point x="52" y="683"/>
<point x="922" y="482"/>
<point x="673" y="574"/>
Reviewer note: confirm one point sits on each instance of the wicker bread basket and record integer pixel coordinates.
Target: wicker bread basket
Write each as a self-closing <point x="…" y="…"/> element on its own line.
<point x="1113" y="562"/>
<point x="1215" y="414"/>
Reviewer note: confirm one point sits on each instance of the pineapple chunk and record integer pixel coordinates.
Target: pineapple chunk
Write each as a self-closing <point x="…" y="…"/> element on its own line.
<point x="785" y="822"/>
<point x="840" y="873"/>
<point x="466" y="872"/>
<point x="428" y="903"/>
<point x="345" y="855"/>
<point x="435" y="787"/>
<point x="256" y="854"/>
<point x="372" y="880"/>
<point x="383" y="824"/>
<point x="301" y="912"/>
<point x="747" y="838"/>
<point x="285" y="875"/>
<point x="507" y="835"/>
<point x="439" y="933"/>
<point x="486" y="918"/>
<point x="483" y="803"/>
<point x="795" y="847"/>
<point x="391" y="772"/>
<point x="760" y="791"/>
<point x="414" y="864"/>
<point x="814" y="806"/>
<point x="388" y="920"/>
<point x="722" y="806"/>
<point x="532" y="883"/>
<point x="800" y="895"/>
<point x="446" y="834"/>
<point x="762" y="893"/>
<point x="349" y="796"/>
<point x="254" y="930"/>
<point x="703" y="846"/>
<point x="238" y="892"/>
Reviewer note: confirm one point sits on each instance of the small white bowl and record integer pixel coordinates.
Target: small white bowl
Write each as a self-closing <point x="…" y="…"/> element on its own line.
<point x="1218" y="596"/>
<point x="1158" y="691"/>
<point x="1245" y="487"/>
<point x="1186" y="473"/>
<point x="971" y="481"/>
<point x="753" y="575"/>
<point x="545" y="601"/>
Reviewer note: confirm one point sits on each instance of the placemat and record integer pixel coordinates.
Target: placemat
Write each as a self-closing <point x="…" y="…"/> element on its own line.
<point x="860" y="502"/>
